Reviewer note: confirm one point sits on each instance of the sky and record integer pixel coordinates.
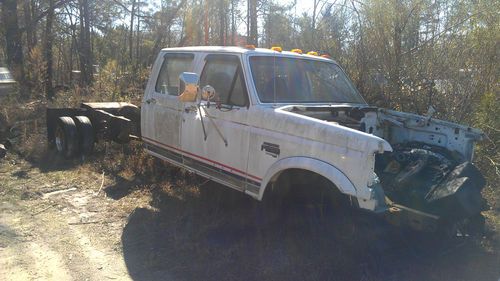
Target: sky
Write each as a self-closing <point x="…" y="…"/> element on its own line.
<point x="302" y="6"/>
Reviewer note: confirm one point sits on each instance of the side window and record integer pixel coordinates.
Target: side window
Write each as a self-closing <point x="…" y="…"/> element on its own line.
<point x="223" y="72"/>
<point x="168" y="78"/>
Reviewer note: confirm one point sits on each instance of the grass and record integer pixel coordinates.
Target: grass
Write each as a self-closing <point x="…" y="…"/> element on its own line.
<point x="193" y="229"/>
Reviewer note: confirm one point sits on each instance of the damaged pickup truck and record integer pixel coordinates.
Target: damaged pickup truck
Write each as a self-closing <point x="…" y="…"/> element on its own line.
<point x="247" y="117"/>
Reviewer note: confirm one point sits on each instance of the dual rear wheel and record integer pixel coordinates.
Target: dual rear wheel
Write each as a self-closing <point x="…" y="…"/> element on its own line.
<point x="74" y="136"/>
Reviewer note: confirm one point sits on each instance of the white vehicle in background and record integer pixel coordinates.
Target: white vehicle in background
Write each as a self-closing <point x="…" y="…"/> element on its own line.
<point x="250" y="118"/>
<point x="7" y="82"/>
<point x="7" y="86"/>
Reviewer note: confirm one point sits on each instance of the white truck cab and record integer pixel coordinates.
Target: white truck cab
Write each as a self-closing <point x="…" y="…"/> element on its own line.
<point x="258" y="113"/>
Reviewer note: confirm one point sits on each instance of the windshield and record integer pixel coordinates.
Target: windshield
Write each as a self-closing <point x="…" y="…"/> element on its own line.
<point x="292" y="80"/>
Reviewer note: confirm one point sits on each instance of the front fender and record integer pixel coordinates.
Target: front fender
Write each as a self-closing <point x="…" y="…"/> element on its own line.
<point x="322" y="168"/>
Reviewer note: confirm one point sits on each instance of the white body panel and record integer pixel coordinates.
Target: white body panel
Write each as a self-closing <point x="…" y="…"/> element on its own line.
<point x="265" y="139"/>
<point x="160" y="114"/>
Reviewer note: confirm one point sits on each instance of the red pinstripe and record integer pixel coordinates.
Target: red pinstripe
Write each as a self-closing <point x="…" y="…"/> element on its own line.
<point x="232" y="169"/>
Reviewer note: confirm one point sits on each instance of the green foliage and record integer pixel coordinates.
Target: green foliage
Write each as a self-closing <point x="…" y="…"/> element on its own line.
<point x="109" y="82"/>
<point x="487" y="118"/>
<point x="36" y="70"/>
<point x="114" y="84"/>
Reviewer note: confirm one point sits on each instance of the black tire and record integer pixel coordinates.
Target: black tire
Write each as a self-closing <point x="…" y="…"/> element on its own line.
<point x="66" y="137"/>
<point x="131" y="112"/>
<point x="313" y="202"/>
<point x="301" y="204"/>
<point x="86" y="135"/>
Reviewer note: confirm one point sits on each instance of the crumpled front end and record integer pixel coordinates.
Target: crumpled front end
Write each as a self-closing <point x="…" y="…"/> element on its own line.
<point x="423" y="174"/>
<point x="428" y="178"/>
<point x="432" y="181"/>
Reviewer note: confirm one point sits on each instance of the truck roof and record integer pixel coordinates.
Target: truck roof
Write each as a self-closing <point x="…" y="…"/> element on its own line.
<point x="242" y="50"/>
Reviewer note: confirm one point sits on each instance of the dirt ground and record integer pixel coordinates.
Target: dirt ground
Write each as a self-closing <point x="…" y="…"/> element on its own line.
<point x="120" y="215"/>
<point x="70" y="221"/>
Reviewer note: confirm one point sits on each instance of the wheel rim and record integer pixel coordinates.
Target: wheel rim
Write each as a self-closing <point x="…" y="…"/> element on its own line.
<point x="59" y="139"/>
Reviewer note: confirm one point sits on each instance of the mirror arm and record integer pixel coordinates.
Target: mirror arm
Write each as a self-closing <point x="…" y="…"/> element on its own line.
<point x="202" y="122"/>
<point x="215" y="125"/>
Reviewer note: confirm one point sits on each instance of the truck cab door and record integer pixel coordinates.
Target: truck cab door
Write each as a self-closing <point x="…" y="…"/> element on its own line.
<point x="161" y="109"/>
<point x="215" y="136"/>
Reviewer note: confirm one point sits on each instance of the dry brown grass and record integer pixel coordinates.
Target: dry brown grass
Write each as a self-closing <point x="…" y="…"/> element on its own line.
<point x="197" y="230"/>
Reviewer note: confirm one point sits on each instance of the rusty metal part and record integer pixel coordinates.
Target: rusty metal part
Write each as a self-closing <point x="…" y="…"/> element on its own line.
<point x="403" y="216"/>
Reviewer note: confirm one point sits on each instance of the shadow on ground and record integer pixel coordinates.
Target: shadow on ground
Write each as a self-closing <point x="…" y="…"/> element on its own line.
<point x="216" y="234"/>
<point x="121" y="188"/>
<point x="50" y="161"/>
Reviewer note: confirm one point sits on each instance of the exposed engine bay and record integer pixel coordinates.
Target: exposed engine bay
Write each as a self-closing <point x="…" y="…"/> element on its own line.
<point x="429" y="169"/>
<point x="431" y="179"/>
<point x="346" y="116"/>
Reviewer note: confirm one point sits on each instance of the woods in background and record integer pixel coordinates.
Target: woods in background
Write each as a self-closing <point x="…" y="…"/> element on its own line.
<point x="403" y="54"/>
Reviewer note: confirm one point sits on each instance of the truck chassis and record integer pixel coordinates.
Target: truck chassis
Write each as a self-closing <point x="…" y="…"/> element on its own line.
<point x="73" y="131"/>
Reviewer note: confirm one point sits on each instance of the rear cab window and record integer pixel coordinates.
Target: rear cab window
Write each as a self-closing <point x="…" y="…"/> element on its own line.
<point x="173" y="65"/>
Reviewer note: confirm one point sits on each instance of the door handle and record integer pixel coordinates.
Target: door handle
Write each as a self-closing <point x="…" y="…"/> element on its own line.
<point x="151" y="101"/>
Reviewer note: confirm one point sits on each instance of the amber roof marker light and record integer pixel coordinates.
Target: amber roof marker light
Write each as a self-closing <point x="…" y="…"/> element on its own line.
<point x="277" y="49"/>
<point x="312" y="53"/>
<point x="297" y="51"/>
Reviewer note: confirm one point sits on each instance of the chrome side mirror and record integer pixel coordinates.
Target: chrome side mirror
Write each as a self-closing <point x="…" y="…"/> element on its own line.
<point x="208" y="93"/>
<point x="188" y="86"/>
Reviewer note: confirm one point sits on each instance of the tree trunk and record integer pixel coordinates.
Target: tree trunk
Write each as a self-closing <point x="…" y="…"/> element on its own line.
<point x="138" y="37"/>
<point x="222" y="21"/>
<point x="397" y="45"/>
<point x="13" y="40"/>
<point x="205" y="23"/>
<point x="49" y="38"/>
<point x="313" y="24"/>
<point x="233" y="24"/>
<point x="169" y="36"/>
<point x="361" y="60"/>
<point x="131" y="32"/>
<point x="85" y="46"/>
<point x="30" y="38"/>
<point x="253" y="36"/>
<point x="73" y="49"/>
